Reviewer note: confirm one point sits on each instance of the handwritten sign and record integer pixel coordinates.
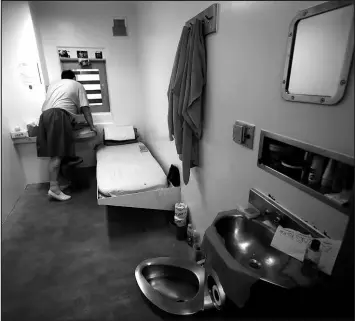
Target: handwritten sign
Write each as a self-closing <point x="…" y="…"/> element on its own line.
<point x="329" y="252"/>
<point x="295" y="244"/>
<point x="291" y="242"/>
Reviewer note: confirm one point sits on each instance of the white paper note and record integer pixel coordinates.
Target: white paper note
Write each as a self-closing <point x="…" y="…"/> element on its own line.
<point x="291" y="242"/>
<point x="28" y="73"/>
<point x="295" y="244"/>
<point x="329" y="252"/>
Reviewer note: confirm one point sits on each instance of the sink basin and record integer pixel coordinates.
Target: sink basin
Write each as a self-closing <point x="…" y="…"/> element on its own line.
<point x="248" y="242"/>
<point x="238" y="251"/>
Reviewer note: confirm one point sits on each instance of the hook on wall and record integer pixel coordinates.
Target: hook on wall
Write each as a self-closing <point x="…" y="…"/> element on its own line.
<point x="208" y="18"/>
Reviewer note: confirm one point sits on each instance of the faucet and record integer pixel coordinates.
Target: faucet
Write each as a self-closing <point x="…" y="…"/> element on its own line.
<point x="274" y="217"/>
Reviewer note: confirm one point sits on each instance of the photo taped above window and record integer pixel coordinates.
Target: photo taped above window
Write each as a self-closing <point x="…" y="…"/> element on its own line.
<point x="82" y="54"/>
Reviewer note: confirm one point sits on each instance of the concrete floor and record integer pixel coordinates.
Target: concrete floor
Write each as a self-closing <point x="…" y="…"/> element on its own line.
<point x="73" y="261"/>
<point x="64" y="261"/>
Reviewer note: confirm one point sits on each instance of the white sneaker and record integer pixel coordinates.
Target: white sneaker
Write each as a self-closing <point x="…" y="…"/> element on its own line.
<point x="59" y="197"/>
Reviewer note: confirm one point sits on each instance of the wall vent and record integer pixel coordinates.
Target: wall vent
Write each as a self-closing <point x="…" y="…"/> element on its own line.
<point x="119" y="27"/>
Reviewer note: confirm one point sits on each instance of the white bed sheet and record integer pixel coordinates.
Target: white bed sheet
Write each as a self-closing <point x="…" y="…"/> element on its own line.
<point x="126" y="169"/>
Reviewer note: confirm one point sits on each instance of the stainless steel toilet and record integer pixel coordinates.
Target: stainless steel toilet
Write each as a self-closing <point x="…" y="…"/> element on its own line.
<point x="174" y="285"/>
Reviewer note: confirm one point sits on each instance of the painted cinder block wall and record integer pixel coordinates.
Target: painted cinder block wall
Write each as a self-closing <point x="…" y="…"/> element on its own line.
<point x="245" y="66"/>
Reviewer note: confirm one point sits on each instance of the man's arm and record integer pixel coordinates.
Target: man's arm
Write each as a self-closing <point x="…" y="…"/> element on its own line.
<point x="88" y="117"/>
<point x="84" y="107"/>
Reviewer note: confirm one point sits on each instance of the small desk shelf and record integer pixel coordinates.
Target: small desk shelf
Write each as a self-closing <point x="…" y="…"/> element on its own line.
<point x="25" y="140"/>
<point x="79" y="135"/>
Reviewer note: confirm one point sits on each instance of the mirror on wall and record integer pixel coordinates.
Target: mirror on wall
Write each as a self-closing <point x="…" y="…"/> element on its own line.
<point x="319" y="53"/>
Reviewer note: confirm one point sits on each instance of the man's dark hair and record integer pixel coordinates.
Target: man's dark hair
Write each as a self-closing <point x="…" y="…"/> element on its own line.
<point x="68" y="74"/>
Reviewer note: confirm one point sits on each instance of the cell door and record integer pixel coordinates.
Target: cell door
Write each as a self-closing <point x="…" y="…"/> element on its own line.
<point x="94" y="80"/>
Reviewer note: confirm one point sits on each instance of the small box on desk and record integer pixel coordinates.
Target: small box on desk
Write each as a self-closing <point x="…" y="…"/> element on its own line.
<point x="20" y="134"/>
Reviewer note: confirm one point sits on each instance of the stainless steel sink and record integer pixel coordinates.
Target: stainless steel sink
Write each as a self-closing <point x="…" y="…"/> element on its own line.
<point x="239" y="250"/>
<point x="248" y="242"/>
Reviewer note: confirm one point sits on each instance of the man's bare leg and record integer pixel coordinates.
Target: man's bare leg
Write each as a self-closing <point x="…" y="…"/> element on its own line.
<point x="63" y="178"/>
<point x="54" y="190"/>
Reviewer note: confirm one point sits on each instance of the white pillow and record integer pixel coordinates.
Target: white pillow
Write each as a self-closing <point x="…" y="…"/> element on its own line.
<point x="119" y="133"/>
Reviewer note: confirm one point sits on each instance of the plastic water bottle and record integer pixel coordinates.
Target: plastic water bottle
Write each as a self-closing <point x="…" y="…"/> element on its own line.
<point x="197" y="253"/>
<point x="190" y="233"/>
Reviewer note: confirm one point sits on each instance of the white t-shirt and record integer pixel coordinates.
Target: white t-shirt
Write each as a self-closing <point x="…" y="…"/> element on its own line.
<point x="66" y="94"/>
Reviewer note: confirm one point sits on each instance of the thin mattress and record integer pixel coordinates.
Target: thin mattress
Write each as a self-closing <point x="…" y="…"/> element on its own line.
<point x="126" y="169"/>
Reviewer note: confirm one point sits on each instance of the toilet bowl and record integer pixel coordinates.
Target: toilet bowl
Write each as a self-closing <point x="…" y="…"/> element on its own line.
<point x="174" y="285"/>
